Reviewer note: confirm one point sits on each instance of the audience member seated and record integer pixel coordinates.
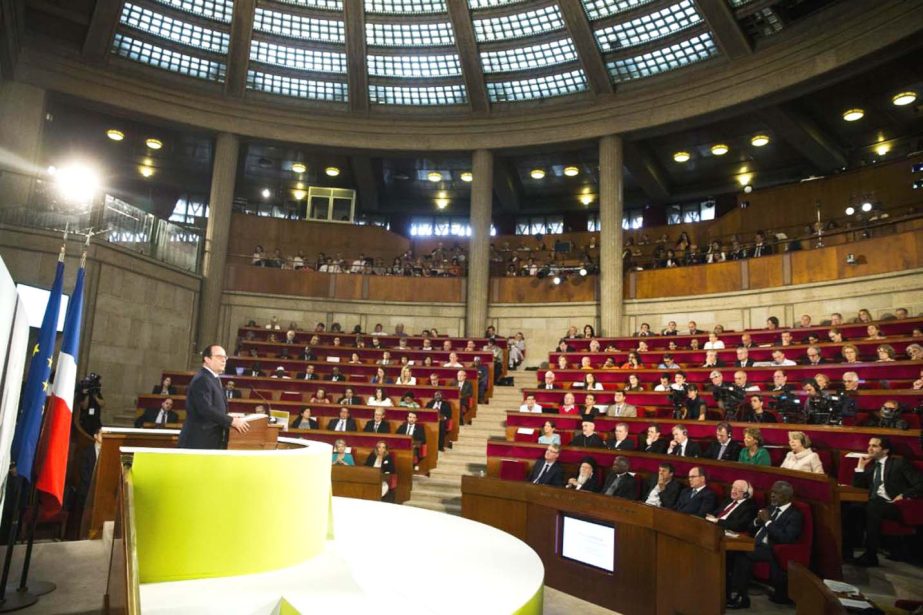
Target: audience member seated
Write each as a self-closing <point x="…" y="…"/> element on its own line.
<point x="620" y="440"/>
<point x="349" y="398"/>
<point x="379" y="398"/>
<point x="378" y="424"/>
<point x="681" y="445"/>
<point x="588" y="438"/>
<point x="165" y="387"/>
<point x="548" y="471"/>
<point x="231" y="391"/>
<point x="159" y="416"/>
<point x="885" y="353"/>
<point x="914" y="352"/>
<point x="444" y="411"/>
<point x="408" y="401"/>
<point x="667" y="362"/>
<point x="320" y="397"/>
<point x="336" y="375"/>
<point x="753" y="451"/>
<point x="530" y="405"/>
<point x="850" y="354"/>
<point x="889" y="480"/>
<point x="696" y="499"/>
<point x="465" y="393"/>
<point x="620" y="483"/>
<point x="693" y="408"/>
<point x="308" y="373"/>
<point x="740" y="381"/>
<point x="779" y="524"/>
<point x="586" y="477"/>
<point x="381" y="458"/>
<point x="343" y="422"/>
<point x="757" y="412"/>
<point x="738" y="511"/>
<point x="633" y="384"/>
<point x="620" y="408"/>
<point x="305" y="420"/>
<point x="549" y="381"/>
<point x="664" y="492"/>
<point x="653" y="442"/>
<point x="548" y="434"/>
<point x="417" y="434"/>
<point x="340" y="456"/>
<point x="569" y="406"/>
<point x="801" y="457"/>
<point x="888" y="417"/>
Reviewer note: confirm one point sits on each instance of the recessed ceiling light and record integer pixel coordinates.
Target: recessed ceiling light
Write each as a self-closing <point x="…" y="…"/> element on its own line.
<point x="115" y="135"/>
<point x="145" y="170"/>
<point x="682" y="156"/>
<point x="744" y="179"/>
<point x="571" y="171"/>
<point x="299" y="194"/>
<point x="299" y="167"/>
<point x="332" y="171"/>
<point x="434" y="176"/>
<point x="467" y="176"/>
<point x="852" y="115"/>
<point x="904" y="98"/>
<point x="882" y="148"/>
<point x="154" y="143"/>
<point x="719" y="149"/>
<point x="266" y="193"/>
<point x="537" y="173"/>
<point x="759" y="140"/>
<point x="850" y="210"/>
<point x="866" y="207"/>
<point x="586" y="199"/>
<point x="442" y="203"/>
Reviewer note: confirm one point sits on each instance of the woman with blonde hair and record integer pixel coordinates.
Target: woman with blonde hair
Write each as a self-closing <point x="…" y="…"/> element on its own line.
<point x="801" y="457"/>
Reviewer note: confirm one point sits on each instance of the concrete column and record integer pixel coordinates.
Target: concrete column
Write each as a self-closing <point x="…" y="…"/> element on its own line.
<point x="482" y="190"/>
<point x="611" y="206"/>
<point x="22" y="120"/>
<point x="224" y="171"/>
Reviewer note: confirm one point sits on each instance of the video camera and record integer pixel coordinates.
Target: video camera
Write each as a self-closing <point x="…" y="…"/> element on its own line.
<point x="731" y="397"/>
<point x="90" y="384"/>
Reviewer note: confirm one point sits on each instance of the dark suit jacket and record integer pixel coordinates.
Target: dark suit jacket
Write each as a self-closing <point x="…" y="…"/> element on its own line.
<point x="628" y="487"/>
<point x="820" y="361"/>
<point x="171" y="390"/>
<point x="445" y="408"/>
<point x="419" y="433"/>
<point x="207" y="419"/>
<point x="554" y="477"/>
<point x="628" y="444"/>
<point x="659" y="447"/>
<point x="337" y="377"/>
<point x="731" y="451"/>
<point x="747" y="363"/>
<point x="703" y="503"/>
<point x="901" y="478"/>
<point x="306" y="376"/>
<point x="350" y="401"/>
<point x="591" y="486"/>
<point x="741" y="519"/>
<point x="668" y="497"/>
<point x="384" y="427"/>
<point x="300" y="423"/>
<point x="785" y="530"/>
<point x="350" y="424"/>
<point x="592" y="441"/>
<point x="465" y="394"/>
<point x="235" y="394"/>
<point x="150" y="415"/>
<point x="387" y="464"/>
<point x="692" y="449"/>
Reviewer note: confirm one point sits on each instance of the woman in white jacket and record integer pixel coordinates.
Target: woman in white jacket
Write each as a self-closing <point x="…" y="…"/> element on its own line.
<point x="801" y="457"/>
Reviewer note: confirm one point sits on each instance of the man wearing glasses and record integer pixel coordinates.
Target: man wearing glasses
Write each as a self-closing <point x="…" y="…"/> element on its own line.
<point x="207" y="419"/>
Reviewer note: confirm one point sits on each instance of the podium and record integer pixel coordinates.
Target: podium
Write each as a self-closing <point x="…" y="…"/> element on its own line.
<point x="262" y="435"/>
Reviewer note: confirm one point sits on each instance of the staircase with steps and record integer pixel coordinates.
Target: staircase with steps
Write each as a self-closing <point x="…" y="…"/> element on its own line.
<point x="441" y="490"/>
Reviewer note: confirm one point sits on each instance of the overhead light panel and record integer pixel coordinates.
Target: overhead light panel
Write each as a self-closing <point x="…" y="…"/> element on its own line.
<point x="154" y="143"/>
<point x="682" y="156"/>
<point x="299" y="167"/>
<point x="115" y="135"/>
<point x="850" y="210"/>
<point x="332" y="171"/>
<point x="759" y="140"/>
<point x="904" y="98"/>
<point x="571" y="171"/>
<point x="882" y="148"/>
<point x="866" y="207"/>
<point x="853" y="115"/>
<point x="537" y="173"/>
<point x="434" y="176"/>
<point x="467" y="176"/>
<point x="719" y="149"/>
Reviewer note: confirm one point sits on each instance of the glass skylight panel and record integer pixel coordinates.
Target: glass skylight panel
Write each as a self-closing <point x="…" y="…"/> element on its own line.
<point x="298" y="58"/>
<point x="283" y="85"/>
<point x="649" y="27"/>
<point x="695" y="49"/>
<point x="409" y="7"/>
<point x="297" y="26"/>
<point x="485" y="4"/>
<point x="538" y="87"/>
<point x="597" y="9"/>
<point x="167" y="59"/>
<point x="409" y="34"/>
<point x="174" y="30"/>
<point x="327" y="5"/>
<point x="414" y="66"/>
<point x="533" y="56"/>
<point x="430" y="95"/>
<point x="518" y="25"/>
<point x="221" y="10"/>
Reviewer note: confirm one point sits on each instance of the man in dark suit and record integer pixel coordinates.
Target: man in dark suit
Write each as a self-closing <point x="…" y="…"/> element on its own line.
<point x="548" y="471"/>
<point x="743" y="357"/>
<point x="307" y="374"/>
<point x="653" y="442"/>
<point x="697" y="499"/>
<point x="681" y="445"/>
<point x="342" y="423"/>
<point x="621" y="441"/>
<point x="231" y="391"/>
<point x="548" y="384"/>
<point x="723" y="448"/>
<point x="378" y="424"/>
<point x="737" y="512"/>
<point x="888" y="480"/>
<point x="664" y="492"/>
<point x="349" y="399"/>
<point x="780" y="524"/>
<point x="445" y="414"/>
<point x="207" y="420"/>
<point x="336" y="376"/>
<point x="812" y="356"/>
<point x="588" y="438"/>
<point x="159" y="416"/>
<point x="465" y="392"/>
<point x="417" y="433"/>
<point x="620" y="483"/>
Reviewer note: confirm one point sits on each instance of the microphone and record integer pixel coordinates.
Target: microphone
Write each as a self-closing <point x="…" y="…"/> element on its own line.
<point x="272" y="419"/>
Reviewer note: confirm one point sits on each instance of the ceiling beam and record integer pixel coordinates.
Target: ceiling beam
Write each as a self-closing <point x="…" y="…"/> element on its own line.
<point x="646" y="171"/>
<point x="357" y="70"/>
<point x="507" y="186"/>
<point x="366" y="179"/>
<point x="467" y="45"/>
<point x="728" y="33"/>
<point x="11" y="29"/>
<point x="578" y="26"/>
<point x="805" y="136"/>
<point x="101" y="30"/>
<point x="239" y="49"/>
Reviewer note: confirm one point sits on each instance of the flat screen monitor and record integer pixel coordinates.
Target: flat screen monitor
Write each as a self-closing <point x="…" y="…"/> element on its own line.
<point x="588" y="542"/>
<point x="35" y="301"/>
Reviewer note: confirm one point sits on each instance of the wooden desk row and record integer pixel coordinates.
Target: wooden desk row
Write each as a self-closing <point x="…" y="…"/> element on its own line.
<point x="347" y="337"/>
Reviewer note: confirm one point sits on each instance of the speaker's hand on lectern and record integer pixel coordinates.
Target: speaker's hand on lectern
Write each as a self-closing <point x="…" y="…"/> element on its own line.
<point x="240" y="425"/>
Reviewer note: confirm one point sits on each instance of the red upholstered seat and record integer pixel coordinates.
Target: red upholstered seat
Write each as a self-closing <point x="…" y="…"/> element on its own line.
<point x="799" y="551"/>
<point x="512" y="469"/>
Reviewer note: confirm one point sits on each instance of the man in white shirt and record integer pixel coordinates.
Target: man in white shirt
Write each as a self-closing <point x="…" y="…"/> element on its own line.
<point x="530" y="405"/>
<point x="778" y="360"/>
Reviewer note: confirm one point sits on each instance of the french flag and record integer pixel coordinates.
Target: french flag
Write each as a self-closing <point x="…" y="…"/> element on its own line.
<point x="56" y="435"/>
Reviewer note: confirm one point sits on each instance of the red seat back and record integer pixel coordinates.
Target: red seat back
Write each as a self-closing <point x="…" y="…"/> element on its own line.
<point x="512" y="469"/>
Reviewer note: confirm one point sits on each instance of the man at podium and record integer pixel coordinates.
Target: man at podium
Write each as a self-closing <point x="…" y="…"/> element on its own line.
<point x="207" y="419"/>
